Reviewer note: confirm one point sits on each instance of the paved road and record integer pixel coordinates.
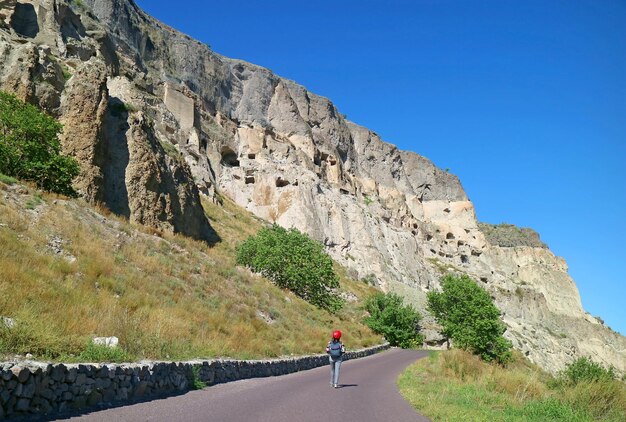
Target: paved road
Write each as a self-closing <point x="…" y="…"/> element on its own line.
<point x="368" y="392"/>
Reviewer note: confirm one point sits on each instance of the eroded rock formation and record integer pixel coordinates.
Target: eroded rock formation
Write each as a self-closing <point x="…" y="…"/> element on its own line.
<point x="156" y="117"/>
<point x="55" y="56"/>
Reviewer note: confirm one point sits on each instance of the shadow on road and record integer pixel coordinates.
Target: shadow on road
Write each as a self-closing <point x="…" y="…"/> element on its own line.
<point x="347" y="385"/>
<point x="76" y="413"/>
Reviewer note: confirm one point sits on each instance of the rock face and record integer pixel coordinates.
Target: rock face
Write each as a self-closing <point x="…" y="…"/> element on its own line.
<point x="55" y="56"/>
<point x="508" y="236"/>
<point x="147" y="110"/>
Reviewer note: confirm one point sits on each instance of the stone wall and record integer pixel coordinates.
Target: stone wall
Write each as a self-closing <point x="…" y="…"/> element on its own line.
<point x="28" y="388"/>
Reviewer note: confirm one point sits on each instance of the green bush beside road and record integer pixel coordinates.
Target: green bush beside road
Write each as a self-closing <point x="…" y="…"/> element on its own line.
<point x="389" y="317"/>
<point x="468" y="316"/>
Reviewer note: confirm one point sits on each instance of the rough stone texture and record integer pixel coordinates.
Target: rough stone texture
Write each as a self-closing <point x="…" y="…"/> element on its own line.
<point x="83" y="108"/>
<point x="508" y="236"/>
<point x="160" y="192"/>
<point x="7" y="7"/>
<point x="28" y="387"/>
<point x="178" y="112"/>
<point x="180" y="106"/>
<point x="59" y="58"/>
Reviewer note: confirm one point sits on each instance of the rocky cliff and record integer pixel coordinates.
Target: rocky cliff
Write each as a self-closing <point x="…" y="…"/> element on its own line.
<point x="157" y="118"/>
<point x="57" y="56"/>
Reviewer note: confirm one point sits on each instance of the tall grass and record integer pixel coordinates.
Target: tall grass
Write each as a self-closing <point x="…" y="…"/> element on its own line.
<point x="7" y="179"/>
<point x="164" y="297"/>
<point x="457" y="386"/>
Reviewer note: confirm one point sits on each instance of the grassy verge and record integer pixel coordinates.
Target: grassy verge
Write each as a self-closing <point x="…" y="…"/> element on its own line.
<point x="8" y="180"/>
<point x="456" y="386"/>
<point x="69" y="272"/>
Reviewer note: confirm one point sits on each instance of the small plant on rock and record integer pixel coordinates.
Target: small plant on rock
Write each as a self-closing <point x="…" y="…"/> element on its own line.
<point x="196" y="381"/>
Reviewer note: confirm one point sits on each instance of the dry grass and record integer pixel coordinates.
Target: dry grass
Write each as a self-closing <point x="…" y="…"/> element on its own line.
<point x="166" y="297"/>
<point x="457" y="386"/>
<point x="605" y="400"/>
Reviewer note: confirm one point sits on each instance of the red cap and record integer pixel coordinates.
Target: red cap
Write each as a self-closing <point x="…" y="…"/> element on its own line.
<point x="337" y="334"/>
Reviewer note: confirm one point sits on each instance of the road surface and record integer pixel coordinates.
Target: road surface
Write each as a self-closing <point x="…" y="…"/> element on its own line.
<point x="367" y="392"/>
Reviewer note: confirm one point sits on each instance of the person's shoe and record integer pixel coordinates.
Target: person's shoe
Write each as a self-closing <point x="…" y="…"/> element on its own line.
<point x="335" y="385"/>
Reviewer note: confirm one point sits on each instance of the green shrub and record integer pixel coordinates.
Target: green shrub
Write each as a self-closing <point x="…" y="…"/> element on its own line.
<point x="468" y="316"/>
<point x="293" y="261"/>
<point x="584" y="369"/>
<point x="30" y="148"/>
<point x="389" y="317"/>
<point x="196" y="382"/>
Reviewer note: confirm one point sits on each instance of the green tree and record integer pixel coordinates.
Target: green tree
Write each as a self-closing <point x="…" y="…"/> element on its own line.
<point x="468" y="316"/>
<point x="294" y="261"/>
<point x="389" y="317"/>
<point x="30" y="148"/>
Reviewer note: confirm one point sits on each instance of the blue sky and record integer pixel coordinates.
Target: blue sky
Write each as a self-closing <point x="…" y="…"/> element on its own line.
<point x="524" y="101"/>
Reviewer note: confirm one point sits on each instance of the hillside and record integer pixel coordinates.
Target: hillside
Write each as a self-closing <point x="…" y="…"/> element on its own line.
<point x="159" y="121"/>
<point x="71" y="271"/>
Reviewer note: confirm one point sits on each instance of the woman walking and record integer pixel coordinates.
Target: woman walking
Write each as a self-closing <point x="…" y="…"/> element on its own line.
<point x="335" y="350"/>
